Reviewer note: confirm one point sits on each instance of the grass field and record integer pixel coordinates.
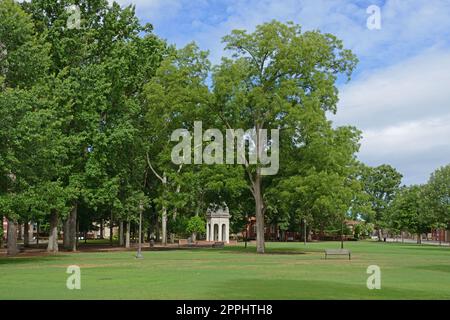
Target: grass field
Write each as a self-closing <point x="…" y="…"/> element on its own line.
<point x="288" y="271"/>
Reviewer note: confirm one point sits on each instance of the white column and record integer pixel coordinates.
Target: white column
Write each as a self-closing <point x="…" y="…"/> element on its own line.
<point x="227" y="232"/>
<point x="207" y="231"/>
<point x="220" y="231"/>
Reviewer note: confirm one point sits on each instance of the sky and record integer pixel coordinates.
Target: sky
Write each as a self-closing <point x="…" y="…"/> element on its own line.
<point x="399" y="95"/>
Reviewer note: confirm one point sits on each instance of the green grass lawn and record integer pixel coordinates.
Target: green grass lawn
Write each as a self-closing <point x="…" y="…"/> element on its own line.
<point x="287" y="271"/>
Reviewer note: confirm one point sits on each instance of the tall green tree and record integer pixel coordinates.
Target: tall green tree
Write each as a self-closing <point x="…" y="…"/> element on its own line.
<point x="319" y="184"/>
<point x="437" y="194"/>
<point x="275" y="73"/>
<point x="409" y="211"/>
<point x="23" y="64"/>
<point x="173" y="99"/>
<point x="381" y="185"/>
<point x="102" y="63"/>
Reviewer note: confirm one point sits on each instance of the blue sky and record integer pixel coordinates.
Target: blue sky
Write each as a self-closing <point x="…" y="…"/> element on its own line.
<point x="399" y="95"/>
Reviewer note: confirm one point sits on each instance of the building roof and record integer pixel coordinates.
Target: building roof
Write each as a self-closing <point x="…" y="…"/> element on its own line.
<point x="218" y="212"/>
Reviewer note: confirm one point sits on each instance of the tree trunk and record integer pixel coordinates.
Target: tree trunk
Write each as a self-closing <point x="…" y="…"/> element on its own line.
<point x="73" y="227"/>
<point x="121" y="240"/>
<point x="26" y="234"/>
<point x="259" y="207"/>
<point x="111" y="226"/>
<point x="157" y="233"/>
<point x="70" y="230"/>
<point x="1" y="235"/>
<point x="127" y="235"/>
<point x="164" y="227"/>
<point x="77" y="233"/>
<point x="66" y="234"/>
<point x="419" y="238"/>
<point x="101" y="229"/>
<point x="53" y="236"/>
<point x="20" y="233"/>
<point x="12" y="238"/>
<point x="380" y="236"/>
<point x="246" y="235"/>
<point x="38" y="226"/>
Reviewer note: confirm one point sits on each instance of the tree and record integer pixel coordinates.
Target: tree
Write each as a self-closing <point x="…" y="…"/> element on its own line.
<point x="117" y="167"/>
<point x="23" y="64"/>
<point x="23" y="55"/>
<point x="409" y="212"/>
<point x="102" y="67"/>
<point x="276" y="73"/>
<point x="318" y="184"/>
<point x="173" y="98"/>
<point x="381" y="185"/>
<point x="195" y="226"/>
<point x="2" y="232"/>
<point x="437" y="194"/>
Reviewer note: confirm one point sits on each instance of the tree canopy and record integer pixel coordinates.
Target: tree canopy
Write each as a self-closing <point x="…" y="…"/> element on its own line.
<point x="88" y="111"/>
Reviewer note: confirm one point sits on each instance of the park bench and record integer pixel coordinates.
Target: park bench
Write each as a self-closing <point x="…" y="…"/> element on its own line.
<point x="338" y="252"/>
<point x="218" y="245"/>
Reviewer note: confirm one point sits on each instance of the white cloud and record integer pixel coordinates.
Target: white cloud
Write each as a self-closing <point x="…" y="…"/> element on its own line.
<point x="157" y="11"/>
<point x="408" y="139"/>
<point x="404" y="112"/>
<point x="406" y="25"/>
<point x="415" y="89"/>
<point x="415" y="148"/>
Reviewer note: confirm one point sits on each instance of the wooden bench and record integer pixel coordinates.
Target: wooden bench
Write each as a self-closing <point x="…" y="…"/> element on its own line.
<point x="338" y="252"/>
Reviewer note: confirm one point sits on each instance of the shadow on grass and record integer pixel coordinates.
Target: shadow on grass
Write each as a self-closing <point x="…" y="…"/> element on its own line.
<point x="437" y="267"/>
<point x="30" y="259"/>
<point x="427" y="248"/>
<point x="292" y="289"/>
<point x="269" y="251"/>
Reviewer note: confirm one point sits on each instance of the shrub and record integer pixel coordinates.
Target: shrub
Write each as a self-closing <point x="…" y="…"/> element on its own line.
<point x="196" y="225"/>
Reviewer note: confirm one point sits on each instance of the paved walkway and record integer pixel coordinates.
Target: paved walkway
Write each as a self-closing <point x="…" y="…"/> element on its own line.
<point x="34" y="250"/>
<point x="430" y="242"/>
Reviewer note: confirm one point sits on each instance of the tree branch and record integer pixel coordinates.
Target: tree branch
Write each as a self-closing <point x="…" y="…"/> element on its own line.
<point x="153" y="170"/>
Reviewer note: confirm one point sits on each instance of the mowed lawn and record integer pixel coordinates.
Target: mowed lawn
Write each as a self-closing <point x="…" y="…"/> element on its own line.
<point x="287" y="271"/>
